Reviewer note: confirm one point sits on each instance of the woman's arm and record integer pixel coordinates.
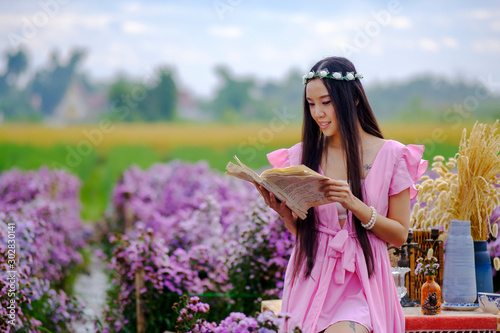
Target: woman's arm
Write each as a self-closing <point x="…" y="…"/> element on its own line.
<point x="392" y="229"/>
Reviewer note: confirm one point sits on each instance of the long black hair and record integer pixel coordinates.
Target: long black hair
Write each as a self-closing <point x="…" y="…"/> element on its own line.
<point x="351" y="107"/>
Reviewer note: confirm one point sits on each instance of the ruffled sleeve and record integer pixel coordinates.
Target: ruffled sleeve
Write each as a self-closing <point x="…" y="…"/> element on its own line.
<point x="408" y="169"/>
<point x="279" y="158"/>
<point x="283" y="158"/>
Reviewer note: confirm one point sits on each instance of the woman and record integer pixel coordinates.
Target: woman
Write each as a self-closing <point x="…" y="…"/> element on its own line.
<point x="339" y="276"/>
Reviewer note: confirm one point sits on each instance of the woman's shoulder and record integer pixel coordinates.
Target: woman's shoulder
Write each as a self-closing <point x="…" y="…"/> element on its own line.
<point x="408" y="167"/>
<point x="400" y="150"/>
<point x="286" y="156"/>
<point x="393" y="151"/>
<point x="296" y="147"/>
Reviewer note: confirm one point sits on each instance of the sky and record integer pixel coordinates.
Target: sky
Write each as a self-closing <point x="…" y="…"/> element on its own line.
<point x="388" y="41"/>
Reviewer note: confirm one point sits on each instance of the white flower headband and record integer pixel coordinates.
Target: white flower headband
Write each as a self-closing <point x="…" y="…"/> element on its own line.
<point x="324" y="74"/>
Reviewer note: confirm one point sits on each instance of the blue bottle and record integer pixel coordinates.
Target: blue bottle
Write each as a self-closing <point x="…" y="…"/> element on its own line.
<point x="459" y="277"/>
<point x="484" y="276"/>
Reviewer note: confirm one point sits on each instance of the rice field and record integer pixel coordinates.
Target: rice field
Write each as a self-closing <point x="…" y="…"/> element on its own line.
<point x="98" y="154"/>
<point x="166" y="137"/>
<point x="160" y="136"/>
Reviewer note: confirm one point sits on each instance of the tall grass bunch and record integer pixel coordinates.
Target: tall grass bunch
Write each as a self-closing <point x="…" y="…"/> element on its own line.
<point x="466" y="187"/>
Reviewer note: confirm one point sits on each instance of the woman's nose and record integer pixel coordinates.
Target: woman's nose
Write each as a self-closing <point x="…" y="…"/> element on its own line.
<point x="319" y="111"/>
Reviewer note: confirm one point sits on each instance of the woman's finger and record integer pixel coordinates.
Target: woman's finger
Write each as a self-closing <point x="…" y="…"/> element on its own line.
<point x="264" y="194"/>
<point x="334" y="187"/>
<point x="274" y="201"/>
<point x="283" y="204"/>
<point x="334" y="182"/>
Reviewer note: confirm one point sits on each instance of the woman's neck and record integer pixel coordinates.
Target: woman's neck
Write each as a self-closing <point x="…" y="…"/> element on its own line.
<point x="335" y="140"/>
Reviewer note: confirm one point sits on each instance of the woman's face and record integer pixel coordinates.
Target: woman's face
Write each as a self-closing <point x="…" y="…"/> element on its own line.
<point x="321" y="106"/>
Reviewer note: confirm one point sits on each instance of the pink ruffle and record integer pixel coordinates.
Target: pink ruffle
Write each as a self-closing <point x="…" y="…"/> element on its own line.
<point x="409" y="168"/>
<point x="283" y="158"/>
<point x="278" y="157"/>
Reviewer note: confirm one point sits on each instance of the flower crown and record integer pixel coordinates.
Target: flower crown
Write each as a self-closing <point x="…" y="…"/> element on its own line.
<point x="325" y="74"/>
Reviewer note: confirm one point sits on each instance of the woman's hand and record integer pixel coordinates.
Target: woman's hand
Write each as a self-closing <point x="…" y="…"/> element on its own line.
<point x="280" y="207"/>
<point x="338" y="191"/>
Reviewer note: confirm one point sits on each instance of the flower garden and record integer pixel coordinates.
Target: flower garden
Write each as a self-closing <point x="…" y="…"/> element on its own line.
<point x="186" y="248"/>
<point x="42" y="247"/>
<point x="179" y="228"/>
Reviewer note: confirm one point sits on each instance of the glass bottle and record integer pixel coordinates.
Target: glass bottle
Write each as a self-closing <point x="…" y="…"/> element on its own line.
<point x="430" y="296"/>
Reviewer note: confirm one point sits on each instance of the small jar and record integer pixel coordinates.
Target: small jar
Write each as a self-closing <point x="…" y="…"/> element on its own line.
<point x="430" y="296"/>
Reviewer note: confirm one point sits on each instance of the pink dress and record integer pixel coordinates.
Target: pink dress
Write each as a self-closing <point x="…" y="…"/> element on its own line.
<point x="339" y="288"/>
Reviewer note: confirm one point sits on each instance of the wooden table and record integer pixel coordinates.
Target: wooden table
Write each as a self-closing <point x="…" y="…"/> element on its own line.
<point x="475" y="321"/>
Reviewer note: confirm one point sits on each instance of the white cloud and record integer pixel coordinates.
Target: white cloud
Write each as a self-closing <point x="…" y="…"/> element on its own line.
<point x="9" y="22"/>
<point x="119" y="52"/>
<point x="325" y="27"/>
<point x="72" y="21"/>
<point x="480" y="14"/>
<point x="441" y="21"/>
<point x="132" y="27"/>
<point x="450" y="42"/>
<point x="401" y="22"/>
<point x="403" y="43"/>
<point x="132" y="7"/>
<point x="256" y="38"/>
<point x="487" y="45"/>
<point x="495" y="26"/>
<point x="231" y="32"/>
<point x="299" y="19"/>
<point x="269" y="53"/>
<point x="428" y="44"/>
<point x="188" y="55"/>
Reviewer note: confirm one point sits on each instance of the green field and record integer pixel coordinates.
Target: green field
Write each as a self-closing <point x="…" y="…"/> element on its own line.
<point x="99" y="163"/>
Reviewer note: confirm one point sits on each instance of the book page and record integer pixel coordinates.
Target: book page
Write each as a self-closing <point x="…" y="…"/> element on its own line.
<point x="298" y="170"/>
<point x="301" y="191"/>
<point x="242" y="171"/>
<point x="282" y="196"/>
<point x="297" y="185"/>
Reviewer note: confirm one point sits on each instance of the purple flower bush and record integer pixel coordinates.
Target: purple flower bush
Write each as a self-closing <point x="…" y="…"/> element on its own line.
<point x="259" y="261"/>
<point x="193" y="231"/>
<point x="43" y="234"/>
<point x="494" y="243"/>
<point x="190" y="318"/>
<point x="191" y="199"/>
<point x="166" y="275"/>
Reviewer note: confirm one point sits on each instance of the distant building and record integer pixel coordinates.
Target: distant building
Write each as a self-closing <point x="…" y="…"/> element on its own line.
<point x="188" y="109"/>
<point x="78" y="105"/>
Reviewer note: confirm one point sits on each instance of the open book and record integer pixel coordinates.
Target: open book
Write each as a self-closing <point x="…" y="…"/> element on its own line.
<point x="298" y="185"/>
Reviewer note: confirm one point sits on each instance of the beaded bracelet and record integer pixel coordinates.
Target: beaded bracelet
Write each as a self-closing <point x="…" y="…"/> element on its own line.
<point x="373" y="219"/>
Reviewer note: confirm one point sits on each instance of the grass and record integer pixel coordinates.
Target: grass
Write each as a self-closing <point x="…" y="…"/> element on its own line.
<point x="99" y="155"/>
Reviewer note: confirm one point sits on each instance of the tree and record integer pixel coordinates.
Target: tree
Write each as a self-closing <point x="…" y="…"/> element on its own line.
<point x="17" y="63"/>
<point x="14" y="100"/>
<point x="233" y="99"/>
<point x="160" y="102"/>
<point x="51" y="83"/>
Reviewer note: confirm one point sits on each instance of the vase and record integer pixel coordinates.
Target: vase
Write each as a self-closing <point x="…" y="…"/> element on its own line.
<point x="399" y="274"/>
<point x="430" y="296"/>
<point x="459" y="275"/>
<point x="484" y="276"/>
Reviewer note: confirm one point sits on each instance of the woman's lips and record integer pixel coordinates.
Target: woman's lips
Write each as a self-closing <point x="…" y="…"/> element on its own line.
<point x="324" y="125"/>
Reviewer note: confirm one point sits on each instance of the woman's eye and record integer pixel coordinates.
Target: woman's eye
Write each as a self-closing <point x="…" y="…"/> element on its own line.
<point x="311" y="104"/>
<point x="326" y="102"/>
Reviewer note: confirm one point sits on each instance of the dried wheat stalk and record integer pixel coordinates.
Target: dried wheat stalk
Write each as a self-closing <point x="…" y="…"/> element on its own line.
<point x="478" y="167"/>
<point x="470" y="194"/>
